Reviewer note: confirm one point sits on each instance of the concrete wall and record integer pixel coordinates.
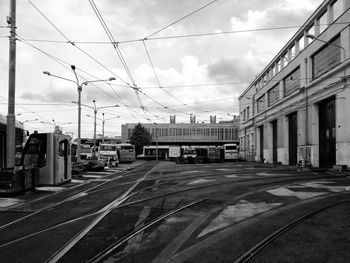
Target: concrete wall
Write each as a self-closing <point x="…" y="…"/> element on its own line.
<point x="305" y="100"/>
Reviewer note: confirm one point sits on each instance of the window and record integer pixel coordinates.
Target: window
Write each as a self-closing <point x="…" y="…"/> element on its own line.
<point x="323" y="22"/>
<point x="337" y="9"/>
<point x="301" y="43"/>
<point x="326" y="58"/>
<point x="292" y="51"/>
<point x="247" y="113"/>
<point x="261" y="103"/>
<point x="272" y="95"/>
<point x="292" y="82"/>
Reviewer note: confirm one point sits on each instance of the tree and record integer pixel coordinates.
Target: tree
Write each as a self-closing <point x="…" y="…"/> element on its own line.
<point x="140" y="137"/>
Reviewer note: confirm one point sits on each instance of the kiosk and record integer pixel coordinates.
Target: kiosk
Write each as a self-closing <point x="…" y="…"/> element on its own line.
<point x="50" y="153"/>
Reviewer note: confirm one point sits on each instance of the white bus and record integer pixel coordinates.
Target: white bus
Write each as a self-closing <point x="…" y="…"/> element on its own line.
<point x="108" y="154"/>
<point x="126" y="152"/>
<point x="231" y="152"/>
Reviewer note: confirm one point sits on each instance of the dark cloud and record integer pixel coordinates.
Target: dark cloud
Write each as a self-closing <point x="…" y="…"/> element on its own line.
<point x="51" y="96"/>
<point x="231" y="70"/>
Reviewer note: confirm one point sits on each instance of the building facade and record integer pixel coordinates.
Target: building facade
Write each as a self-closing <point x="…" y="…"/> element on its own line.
<point x="297" y="110"/>
<point x="187" y="133"/>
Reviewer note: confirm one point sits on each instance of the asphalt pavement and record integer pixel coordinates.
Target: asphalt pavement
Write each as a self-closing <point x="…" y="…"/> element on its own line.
<point x="249" y="212"/>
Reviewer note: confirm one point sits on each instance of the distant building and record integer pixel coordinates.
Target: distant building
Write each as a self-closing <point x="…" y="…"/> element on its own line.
<point x="212" y="119"/>
<point x="192" y="118"/>
<point x="172" y="119"/>
<point x="297" y="110"/>
<point x="187" y="133"/>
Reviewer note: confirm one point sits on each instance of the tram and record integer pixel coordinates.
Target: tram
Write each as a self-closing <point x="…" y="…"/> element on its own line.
<point x="45" y="160"/>
<point x="184" y="154"/>
<point x="150" y="152"/>
<point x="126" y="152"/>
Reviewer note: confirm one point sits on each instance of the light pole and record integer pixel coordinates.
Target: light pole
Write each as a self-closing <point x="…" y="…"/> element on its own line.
<point x="79" y="86"/>
<point x="29" y="121"/>
<point x="103" y="125"/>
<point x="11" y="118"/>
<point x="156" y="141"/>
<point x="95" y="113"/>
<point x="55" y="125"/>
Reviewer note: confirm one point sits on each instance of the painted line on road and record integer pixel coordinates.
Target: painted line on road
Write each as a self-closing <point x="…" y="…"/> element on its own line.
<point x="135" y="242"/>
<point x="7" y="202"/>
<point x="200" y="181"/>
<point x="167" y="253"/>
<point x="104" y="212"/>
<point x="282" y="191"/>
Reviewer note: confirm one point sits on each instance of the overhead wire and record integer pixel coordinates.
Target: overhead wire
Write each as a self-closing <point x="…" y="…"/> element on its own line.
<point x="67" y="66"/>
<point x="73" y="44"/>
<point x="148" y="38"/>
<point x="61" y="62"/>
<point x="116" y="48"/>
<point x="179" y="36"/>
<point x="156" y="77"/>
<point x="182" y="18"/>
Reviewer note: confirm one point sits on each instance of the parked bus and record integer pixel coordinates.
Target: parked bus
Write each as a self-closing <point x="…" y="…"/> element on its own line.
<point x="126" y="152"/>
<point x="85" y="152"/>
<point x="231" y="152"/>
<point x="108" y="154"/>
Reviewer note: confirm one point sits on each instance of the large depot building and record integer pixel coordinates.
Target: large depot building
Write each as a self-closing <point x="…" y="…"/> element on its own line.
<point x="297" y="110"/>
<point x="192" y="133"/>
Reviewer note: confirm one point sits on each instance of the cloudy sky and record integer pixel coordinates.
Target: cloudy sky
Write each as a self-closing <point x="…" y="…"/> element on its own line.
<point x="179" y="57"/>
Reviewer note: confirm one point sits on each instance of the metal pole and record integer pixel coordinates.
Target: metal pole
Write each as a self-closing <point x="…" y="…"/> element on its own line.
<point x="156" y="142"/>
<point x="11" y="119"/>
<point x="79" y="112"/>
<point x="79" y="123"/>
<point x="95" y="112"/>
<point x="103" y="127"/>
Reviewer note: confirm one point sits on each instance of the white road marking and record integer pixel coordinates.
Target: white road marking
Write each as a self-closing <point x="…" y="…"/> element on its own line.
<point x="200" y="181"/>
<point x="93" y="176"/>
<point x="321" y="185"/>
<point x="50" y="188"/>
<point x="190" y="172"/>
<point x="231" y="176"/>
<point x="282" y="191"/>
<point x="76" y="196"/>
<point x="75" y="181"/>
<point x="7" y="202"/>
<point x="269" y="174"/>
<point x="235" y="213"/>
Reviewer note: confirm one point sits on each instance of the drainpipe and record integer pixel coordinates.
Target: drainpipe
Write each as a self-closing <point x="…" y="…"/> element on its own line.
<point x="306" y="113"/>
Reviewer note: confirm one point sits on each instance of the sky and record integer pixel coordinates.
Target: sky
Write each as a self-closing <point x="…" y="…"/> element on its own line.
<point x="170" y="58"/>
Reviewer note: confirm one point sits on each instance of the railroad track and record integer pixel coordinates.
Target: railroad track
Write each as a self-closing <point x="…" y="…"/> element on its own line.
<point x="252" y="252"/>
<point x="120" y="202"/>
<point x="65" y="200"/>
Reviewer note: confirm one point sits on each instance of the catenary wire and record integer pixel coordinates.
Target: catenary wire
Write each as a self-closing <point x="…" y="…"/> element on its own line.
<point x="182" y="18"/>
<point x="73" y="44"/>
<point x="116" y="48"/>
<point x="156" y="76"/>
<point x="178" y="36"/>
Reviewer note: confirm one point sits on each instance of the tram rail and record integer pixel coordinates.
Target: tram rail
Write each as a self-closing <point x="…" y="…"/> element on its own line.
<point x="252" y="252"/>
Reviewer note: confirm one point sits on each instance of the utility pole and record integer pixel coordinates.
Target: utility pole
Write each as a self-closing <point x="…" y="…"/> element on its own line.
<point x="11" y="119"/>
